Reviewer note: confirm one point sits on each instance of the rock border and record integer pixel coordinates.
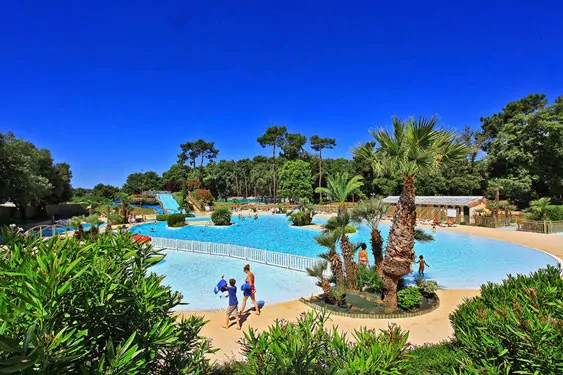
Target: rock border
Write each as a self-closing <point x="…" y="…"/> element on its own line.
<point x="373" y="315"/>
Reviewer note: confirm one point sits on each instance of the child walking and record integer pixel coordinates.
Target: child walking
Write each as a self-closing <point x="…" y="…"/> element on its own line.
<point x="421" y="264"/>
<point x="233" y="304"/>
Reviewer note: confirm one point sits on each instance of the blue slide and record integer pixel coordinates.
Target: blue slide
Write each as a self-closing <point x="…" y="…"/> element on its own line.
<point x="169" y="204"/>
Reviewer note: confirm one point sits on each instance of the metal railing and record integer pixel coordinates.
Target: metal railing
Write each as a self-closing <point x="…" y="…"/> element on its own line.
<point x="283" y="260"/>
<point x="47" y="230"/>
<point x="541" y="226"/>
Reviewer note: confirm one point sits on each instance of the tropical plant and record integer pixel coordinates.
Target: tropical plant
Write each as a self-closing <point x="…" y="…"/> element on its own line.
<point x="369" y="280"/>
<point x="539" y="206"/>
<point x="421" y="236"/>
<point x="415" y="148"/>
<point x="318" y="272"/>
<point x="76" y="223"/>
<point x="94" y="221"/>
<point x="124" y="199"/>
<point x="319" y="144"/>
<point x="338" y="225"/>
<point x="436" y="359"/>
<point x="329" y="241"/>
<point x="340" y="186"/>
<point x="426" y="287"/>
<point x="516" y="324"/>
<point x="221" y="216"/>
<point x="371" y="212"/>
<point x="308" y="347"/>
<point x="303" y="214"/>
<point x="92" y="309"/>
<point x="162" y="217"/>
<point x="409" y="298"/>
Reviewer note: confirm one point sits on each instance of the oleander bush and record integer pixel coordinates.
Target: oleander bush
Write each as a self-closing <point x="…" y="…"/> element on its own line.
<point x="515" y="325"/>
<point x="221" y="216"/>
<point x="176" y="220"/>
<point x="94" y="307"/>
<point x="409" y="298"/>
<point x="162" y="217"/>
<point x="426" y="287"/>
<point x="435" y="359"/>
<point x="308" y="346"/>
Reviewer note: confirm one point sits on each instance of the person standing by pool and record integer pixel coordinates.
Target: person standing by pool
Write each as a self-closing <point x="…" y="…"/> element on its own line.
<point x="252" y="294"/>
<point x="363" y="255"/>
<point x="422" y="263"/>
<point x="233" y="304"/>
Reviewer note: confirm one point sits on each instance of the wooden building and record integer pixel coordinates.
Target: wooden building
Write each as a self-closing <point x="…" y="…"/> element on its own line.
<point x="455" y="208"/>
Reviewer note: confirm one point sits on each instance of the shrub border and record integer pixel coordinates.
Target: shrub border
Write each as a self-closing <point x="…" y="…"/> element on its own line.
<point x="374" y="315"/>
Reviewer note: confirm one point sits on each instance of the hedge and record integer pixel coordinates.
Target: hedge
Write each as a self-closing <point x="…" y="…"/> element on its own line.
<point x="176" y="220"/>
<point x="162" y="217"/>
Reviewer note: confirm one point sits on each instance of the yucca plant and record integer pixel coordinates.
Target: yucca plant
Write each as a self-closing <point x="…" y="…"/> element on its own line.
<point x="318" y="272"/>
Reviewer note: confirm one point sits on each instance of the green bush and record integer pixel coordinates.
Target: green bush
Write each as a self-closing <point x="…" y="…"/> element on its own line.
<point x="367" y="279"/>
<point x="115" y="219"/>
<point x="176" y="220"/>
<point x="162" y="217"/>
<point x="301" y="217"/>
<point x="409" y="298"/>
<point x="349" y="229"/>
<point x="517" y="324"/>
<point x="437" y="359"/>
<point x="426" y="287"/>
<point x="308" y="347"/>
<point x="95" y="308"/>
<point x="221" y="216"/>
<point x="554" y="213"/>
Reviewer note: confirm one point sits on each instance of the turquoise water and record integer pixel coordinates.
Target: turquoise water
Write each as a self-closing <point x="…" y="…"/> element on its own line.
<point x="49" y="232"/>
<point x="195" y="276"/>
<point x="169" y="203"/>
<point x="456" y="260"/>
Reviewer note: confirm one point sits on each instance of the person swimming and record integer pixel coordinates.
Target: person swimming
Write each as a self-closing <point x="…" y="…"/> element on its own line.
<point x="363" y="255"/>
<point x="421" y="264"/>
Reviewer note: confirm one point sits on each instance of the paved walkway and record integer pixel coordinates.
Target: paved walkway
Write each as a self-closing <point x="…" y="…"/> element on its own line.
<point x="430" y="328"/>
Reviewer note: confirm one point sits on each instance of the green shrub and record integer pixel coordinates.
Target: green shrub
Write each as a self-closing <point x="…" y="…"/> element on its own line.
<point x="221" y="216"/>
<point x="426" y="287"/>
<point x="162" y="217"/>
<point x="421" y="236"/>
<point x="300" y="217"/>
<point x="409" y="298"/>
<point x="554" y="213"/>
<point x="204" y="196"/>
<point x="92" y="309"/>
<point x="367" y="279"/>
<point x="115" y="219"/>
<point x="308" y="347"/>
<point x="439" y="359"/>
<point x="176" y="220"/>
<point x="349" y="229"/>
<point x="516" y="324"/>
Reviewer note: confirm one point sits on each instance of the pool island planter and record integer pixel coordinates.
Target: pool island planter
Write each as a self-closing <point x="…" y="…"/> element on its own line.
<point x="391" y="315"/>
<point x="272" y="258"/>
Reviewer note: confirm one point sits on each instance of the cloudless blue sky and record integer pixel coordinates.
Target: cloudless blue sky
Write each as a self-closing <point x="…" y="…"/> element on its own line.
<point x="114" y="87"/>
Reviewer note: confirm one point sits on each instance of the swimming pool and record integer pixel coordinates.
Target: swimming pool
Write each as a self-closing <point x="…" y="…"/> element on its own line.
<point x="195" y="275"/>
<point x="49" y="232"/>
<point x="456" y="260"/>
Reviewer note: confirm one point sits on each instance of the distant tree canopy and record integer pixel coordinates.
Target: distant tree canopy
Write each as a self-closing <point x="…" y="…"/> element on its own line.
<point x="28" y="175"/>
<point x="296" y="180"/>
<point x="105" y="191"/>
<point x="138" y="182"/>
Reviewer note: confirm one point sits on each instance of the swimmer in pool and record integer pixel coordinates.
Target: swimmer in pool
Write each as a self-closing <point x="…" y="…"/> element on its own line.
<point x="421" y="264"/>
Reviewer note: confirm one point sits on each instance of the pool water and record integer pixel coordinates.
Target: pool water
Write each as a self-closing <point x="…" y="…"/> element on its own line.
<point x="456" y="260"/>
<point x="195" y="276"/>
<point x="49" y="232"/>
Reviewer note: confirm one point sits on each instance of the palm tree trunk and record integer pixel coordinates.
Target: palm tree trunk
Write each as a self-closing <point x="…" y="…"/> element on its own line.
<point x="349" y="263"/>
<point x="327" y="290"/>
<point x="336" y="268"/>
<point x="377" y="250"/>
<point x="320" y="174"/>
<point x="399" y="254"/>
<point x="275" y="187"/>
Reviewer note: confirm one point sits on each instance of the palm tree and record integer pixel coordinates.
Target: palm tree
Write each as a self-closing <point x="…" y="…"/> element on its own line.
<point x="414" y="148"/>
<point x="371" y="212"/>
<point x="540" y="206"/>
<point x="329" y="240"/>
<point x="340" y="186"/>
<point x="495" y="186"/>
<point x="336" y="227"/>
<point x="94" y="221"/>
<point x="318" y="272"/>
<point x="76" y="223"/>
<point x="125" y="199"/>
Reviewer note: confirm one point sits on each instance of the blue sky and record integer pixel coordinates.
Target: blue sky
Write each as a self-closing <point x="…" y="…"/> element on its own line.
<point x="114" y="87"/>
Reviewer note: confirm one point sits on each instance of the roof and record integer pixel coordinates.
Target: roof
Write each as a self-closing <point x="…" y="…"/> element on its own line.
<point x="440" y="201"/>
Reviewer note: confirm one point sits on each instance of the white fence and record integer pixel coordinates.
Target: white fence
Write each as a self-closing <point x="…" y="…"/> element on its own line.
<point x="289" y="261"/>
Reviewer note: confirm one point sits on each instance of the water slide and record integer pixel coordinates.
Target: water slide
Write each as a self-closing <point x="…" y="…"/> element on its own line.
<point x="169" y="204"/>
